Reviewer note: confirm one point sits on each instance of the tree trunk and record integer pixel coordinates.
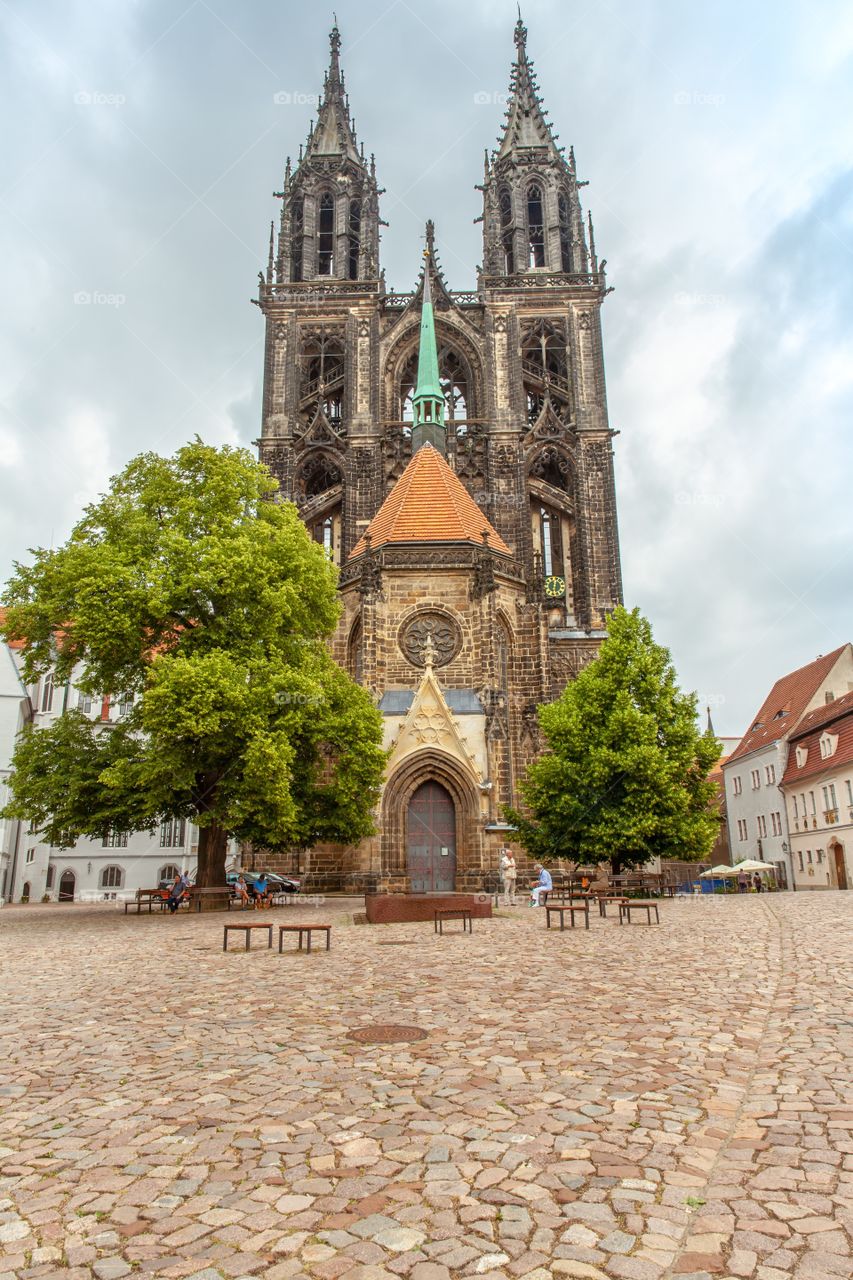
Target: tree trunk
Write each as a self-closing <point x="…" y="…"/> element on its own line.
<point x="212" y="848"/>
<point x="615" y="864"/>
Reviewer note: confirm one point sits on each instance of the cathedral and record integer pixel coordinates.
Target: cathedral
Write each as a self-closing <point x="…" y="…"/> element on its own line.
<point x="452" y="452"/>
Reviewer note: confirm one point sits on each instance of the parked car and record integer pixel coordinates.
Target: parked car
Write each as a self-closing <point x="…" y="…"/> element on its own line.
<point x="278" y="884"/>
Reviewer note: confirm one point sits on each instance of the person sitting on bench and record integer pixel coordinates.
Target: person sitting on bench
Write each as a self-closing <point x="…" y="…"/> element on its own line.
<point x="241" y="891"/>
<point x="177" y="891"/>
<point x="262" y="892"/>
<point x="543" y="885"/>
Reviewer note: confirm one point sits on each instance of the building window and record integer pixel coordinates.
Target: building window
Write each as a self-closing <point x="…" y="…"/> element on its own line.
<point x="776" y="823"/>
<point x="354" y="237"/>
<point x="770" y="774"/>
<point x="742" y="829"/>
<point x="322" y="532"/>
<point x="326" y="235"/>
<point x="849" y="786"/>
<point x="114" y="840"/>
<point x="298" y="238"/>
<point x="762" y="825"/>
<point x="565" y="231"/>
<point x="820" y="855"/>
<point x="800" y="856"/>
<point x="169" y="872"/>
<point x="172" y="833"/>
<point x="551" y="538"/>
<point x="756" y="779"/>
<point x="47" y="692"/>
<point x="809" y="855"/>
<point x="31" y="854"/>
<point x="85" y="702"/>
<point x="535" y="227"/>
<point x="505" y="208"/>
<point x="794" y="803"/>
<point x="111" y="878"/>
<point x="124" y="705"/>
<point x="811" y="802"/>
<point x="738" y="785"/>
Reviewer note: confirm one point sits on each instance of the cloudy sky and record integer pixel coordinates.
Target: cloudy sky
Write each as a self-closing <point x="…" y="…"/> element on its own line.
<point x="143" y="141"/>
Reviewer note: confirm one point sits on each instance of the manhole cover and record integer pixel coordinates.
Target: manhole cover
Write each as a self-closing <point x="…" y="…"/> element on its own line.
<point x="386" y="1033"/>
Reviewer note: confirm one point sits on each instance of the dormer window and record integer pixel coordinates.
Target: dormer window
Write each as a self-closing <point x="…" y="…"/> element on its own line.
<point x="802" y="756"/>
<point x="828" y="743"/>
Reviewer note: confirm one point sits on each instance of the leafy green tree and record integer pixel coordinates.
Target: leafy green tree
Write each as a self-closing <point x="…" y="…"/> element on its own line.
<point x="188" y="585"/>
<point x="625" y="773"/>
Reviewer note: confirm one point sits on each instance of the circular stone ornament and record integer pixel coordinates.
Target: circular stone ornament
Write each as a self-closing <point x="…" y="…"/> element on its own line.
<point x="386" y="1033"/>
<point x="446" y="638"/>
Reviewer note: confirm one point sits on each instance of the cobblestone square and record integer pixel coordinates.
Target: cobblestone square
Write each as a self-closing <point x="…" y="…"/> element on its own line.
<point x="626" y="1102"/>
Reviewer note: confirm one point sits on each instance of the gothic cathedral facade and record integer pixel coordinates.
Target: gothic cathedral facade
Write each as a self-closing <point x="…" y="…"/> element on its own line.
<point x="453" y="453"/>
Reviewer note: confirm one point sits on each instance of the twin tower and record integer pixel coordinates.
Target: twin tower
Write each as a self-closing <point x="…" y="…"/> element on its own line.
<point x="452" y="452"/>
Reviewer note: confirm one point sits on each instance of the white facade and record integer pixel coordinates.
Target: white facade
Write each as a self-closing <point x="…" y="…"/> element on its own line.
<point x="755" y="804"/>
<point x="822" y="841"/>
<point x="91" y="870"/>
<point x="755" y="809"/>
<point x="15" y="710"/>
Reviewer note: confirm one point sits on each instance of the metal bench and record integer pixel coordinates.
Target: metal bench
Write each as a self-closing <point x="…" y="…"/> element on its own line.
<point x="247" y="930"/>
<point x="560" y="909"/>
<point x="306" y="929"/>
<point x="632" y="904"/>
<point x="455" y="913"/>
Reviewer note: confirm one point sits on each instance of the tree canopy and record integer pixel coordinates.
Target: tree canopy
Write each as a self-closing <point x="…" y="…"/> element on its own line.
<point x="624" y="777"/>
<point x="189" y="585"/>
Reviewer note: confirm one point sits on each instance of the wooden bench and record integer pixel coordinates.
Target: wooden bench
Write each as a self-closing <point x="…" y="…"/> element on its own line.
<point x="307" y="929"/>
<point x="146" y="895"/>
<point x="560" y="909"/>
<point x="247" y="929"/>
<point x="603" y="898"/>
<point x="219" y="895"/>
<point x="632" y="904"/>
<point x="454" y="913"/>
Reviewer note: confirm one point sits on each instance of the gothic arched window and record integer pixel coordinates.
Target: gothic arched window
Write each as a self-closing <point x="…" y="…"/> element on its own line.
<point x="317" y="474"/>
<point x="297" y="240"/>
<point x="326" y="234"/>
<point x="565" y="232"/>
<point x="544" y="364"/>
<point x="455" y="379"/>
<point x="322" y="360"/>
<point x="505" y="209"/>
<point x="535" y="226"/>
<point x="356" y="652"/>
<point x="354" y="237"/>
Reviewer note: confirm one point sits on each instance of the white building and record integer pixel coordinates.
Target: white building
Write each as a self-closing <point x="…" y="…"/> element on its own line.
<point x="15" y="711"/>
<point x="818" y="790"/>
<point x="92" y="870"/>
<point x="757" y="818"/>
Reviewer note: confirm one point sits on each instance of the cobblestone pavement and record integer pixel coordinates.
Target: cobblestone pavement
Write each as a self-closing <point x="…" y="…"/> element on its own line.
<point x="624" y="1102"/>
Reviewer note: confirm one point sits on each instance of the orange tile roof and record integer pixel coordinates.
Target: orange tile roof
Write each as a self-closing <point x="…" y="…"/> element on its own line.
<point x="13" y="644"/>
<point x="429" y="503"/>
<point x="835" y="718"/>
<point x="785" y="704"/>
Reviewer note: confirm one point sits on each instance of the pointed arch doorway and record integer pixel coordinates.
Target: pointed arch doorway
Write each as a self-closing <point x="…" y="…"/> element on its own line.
<point x="431" y="840"/>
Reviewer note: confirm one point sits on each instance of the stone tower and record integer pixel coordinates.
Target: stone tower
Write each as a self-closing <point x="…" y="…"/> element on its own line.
<point x="452" y="451"/>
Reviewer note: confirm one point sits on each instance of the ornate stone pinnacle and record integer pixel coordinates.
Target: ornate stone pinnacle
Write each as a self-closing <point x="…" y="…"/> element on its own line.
<point x="430" y="652"/>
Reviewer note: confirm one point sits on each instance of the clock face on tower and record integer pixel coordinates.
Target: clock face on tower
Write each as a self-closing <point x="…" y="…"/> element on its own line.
<point x="555" y="587"/>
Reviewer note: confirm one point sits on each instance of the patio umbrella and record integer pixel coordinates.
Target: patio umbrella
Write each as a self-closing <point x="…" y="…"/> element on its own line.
<point x="752" y="865"/>
<point x="715" y="872"/>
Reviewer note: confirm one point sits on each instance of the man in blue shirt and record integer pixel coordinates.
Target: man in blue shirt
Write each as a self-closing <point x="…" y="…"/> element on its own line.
<point x="543" y="885"/>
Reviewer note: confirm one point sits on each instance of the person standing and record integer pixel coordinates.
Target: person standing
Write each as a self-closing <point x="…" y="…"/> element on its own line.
<point x="756" y="880"/>
<point x="742" y="882"/>
<point x="509" y="874"/>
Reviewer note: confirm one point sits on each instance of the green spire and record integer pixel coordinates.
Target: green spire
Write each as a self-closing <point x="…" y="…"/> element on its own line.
<point x="428" y="400"/>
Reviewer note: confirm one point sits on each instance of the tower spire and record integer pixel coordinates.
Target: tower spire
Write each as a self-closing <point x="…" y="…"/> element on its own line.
<point x="526" y="125"/>
<point x="428" y="400"/>
<point x="334" y="132"/>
